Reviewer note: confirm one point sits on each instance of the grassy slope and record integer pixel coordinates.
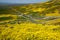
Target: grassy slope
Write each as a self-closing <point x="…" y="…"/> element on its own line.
<point x="36" y="11"/>
<point x="13" y="30"/>
<point x="29" y="31"/>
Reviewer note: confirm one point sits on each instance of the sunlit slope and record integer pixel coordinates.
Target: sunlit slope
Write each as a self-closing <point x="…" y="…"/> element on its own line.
<point x="29" y="22"/>
<point x="29" y="31"/>
<point x="35" y="13"/>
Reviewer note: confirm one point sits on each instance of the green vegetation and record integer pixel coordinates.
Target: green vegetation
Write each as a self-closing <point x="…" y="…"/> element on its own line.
<point x="40" y="21"/>
<point x="5" y="18"/>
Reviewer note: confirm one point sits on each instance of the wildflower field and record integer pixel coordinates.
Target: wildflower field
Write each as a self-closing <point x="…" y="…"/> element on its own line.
<point x="29" y="31"/>
<point x="38" y="21"/>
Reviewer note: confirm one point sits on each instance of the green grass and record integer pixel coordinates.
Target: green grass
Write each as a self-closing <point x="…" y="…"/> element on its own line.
<point x="5" y="18"/>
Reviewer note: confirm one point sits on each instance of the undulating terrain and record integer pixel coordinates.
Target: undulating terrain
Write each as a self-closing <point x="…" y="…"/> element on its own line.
<point x="38" y="21"/>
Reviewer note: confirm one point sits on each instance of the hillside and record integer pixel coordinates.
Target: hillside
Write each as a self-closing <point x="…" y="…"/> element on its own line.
<point x="38" y="21"/>
<point x="37" y="13"/>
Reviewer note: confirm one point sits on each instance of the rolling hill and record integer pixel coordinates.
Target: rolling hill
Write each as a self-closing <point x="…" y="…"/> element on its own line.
<point x="38" y="21"/>
<point x="35" y="13"/>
